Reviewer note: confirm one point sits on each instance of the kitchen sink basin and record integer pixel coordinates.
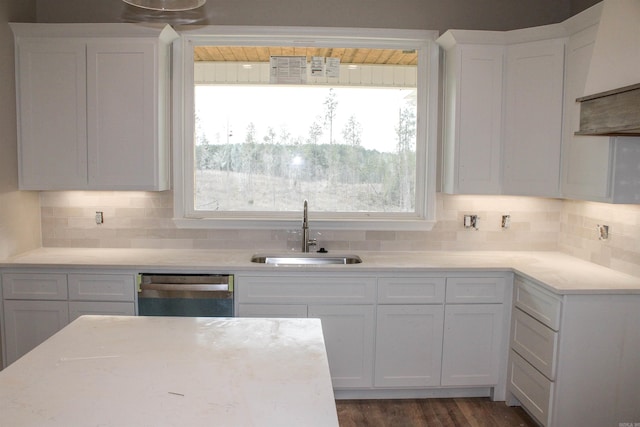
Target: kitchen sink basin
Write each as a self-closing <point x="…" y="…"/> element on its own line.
<point x="305" y="259"/>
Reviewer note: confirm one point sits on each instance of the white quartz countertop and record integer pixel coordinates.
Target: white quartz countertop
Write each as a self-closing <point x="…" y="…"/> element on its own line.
<point x="173" y="371"/>
<point x="559" y="272"/>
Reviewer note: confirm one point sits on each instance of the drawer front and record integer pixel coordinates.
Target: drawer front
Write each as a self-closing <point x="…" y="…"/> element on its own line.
<point x="272" y="310"/>
<point x="306" y="289"/>
<point x="530" y="387"/>
<point x="411" y="290"/>
<point x="480" y="290"/>
<point x="101" y="287"/>
<point x="80" y="308"/>
<point x="35" y="286"/>
<point x="535" y="342"/>
<point x="538" y="302"/>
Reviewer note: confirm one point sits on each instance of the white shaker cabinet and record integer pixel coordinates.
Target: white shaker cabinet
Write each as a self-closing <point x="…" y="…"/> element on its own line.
<point x="408" y="345"/>
<point x="533" y="118"/>
<point x="409" y="328"/>
<point x="472" y="134"/>
<point x="344" y="303"/>
<point x="34" y="308"/>
<point x="597" y="168"/>
<point x="503" y="113"/>
<point x="93" y="103"/>
<point x="348" y="332"/>
<point x="573" y="358"/>
<point x="29" y="323"/>
<point x="36" y="304"/>
<point x="474" y="335"/>
<point x="103" y="294"/>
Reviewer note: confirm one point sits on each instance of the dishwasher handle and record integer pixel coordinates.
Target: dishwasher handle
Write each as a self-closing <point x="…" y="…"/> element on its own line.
<point x="183" y="287"/>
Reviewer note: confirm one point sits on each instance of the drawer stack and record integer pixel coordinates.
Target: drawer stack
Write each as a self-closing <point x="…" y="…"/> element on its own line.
<point x="534" y="347"/>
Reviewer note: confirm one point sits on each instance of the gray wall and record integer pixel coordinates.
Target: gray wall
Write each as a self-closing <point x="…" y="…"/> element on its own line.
<point x="19" y="210"/>
<point x="410" y="14"/>
<point x="578" y="6"/>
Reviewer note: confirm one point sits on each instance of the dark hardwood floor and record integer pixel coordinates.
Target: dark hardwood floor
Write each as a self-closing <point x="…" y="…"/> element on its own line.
<point x="454" y="412"/>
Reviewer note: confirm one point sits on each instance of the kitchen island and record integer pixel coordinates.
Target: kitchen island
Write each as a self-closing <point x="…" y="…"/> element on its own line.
<point x="162" y="371"/>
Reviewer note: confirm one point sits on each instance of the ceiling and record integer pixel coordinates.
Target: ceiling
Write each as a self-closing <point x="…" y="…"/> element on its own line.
<point x="346" y="55"/>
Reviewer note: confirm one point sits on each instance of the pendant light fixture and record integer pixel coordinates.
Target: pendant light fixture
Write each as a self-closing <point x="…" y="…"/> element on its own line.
<point x="167" y="5"/>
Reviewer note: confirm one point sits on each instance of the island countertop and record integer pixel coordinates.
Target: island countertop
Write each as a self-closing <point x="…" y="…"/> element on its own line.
<point x="180" y="371"/>
<point x="559" y="272"/>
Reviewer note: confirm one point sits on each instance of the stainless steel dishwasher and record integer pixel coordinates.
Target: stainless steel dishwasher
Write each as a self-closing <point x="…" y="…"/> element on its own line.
<point x="191" y="295"/>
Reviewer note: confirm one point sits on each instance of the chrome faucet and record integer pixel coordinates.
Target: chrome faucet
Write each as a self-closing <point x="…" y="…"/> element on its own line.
<point x="306" y="241"/>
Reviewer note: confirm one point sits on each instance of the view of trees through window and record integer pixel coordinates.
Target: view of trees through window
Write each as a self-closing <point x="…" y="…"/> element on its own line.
<point x="269" y="147"/>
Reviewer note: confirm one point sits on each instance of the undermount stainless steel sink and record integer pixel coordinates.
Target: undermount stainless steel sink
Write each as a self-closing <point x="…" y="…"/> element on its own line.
<point x="305" y="259"/>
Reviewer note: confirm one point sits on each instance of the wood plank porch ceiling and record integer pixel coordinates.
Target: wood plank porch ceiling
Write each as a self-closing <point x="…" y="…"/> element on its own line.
<point x="346" y="55"/>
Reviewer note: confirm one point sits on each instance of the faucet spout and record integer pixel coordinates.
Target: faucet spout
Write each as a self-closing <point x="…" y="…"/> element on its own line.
<point x="306" y="241"/>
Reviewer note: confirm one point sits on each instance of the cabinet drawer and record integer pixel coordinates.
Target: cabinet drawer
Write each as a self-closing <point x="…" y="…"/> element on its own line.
<point x="530" y="387"/>
<point x="535" y="342"/>
<point x="306" y="289"/>
<point x="272" y="310"/>
<point x="537" y="302"/>
<point x="80" y="308"/>
<point x="411" y="290"/>
<point x="101" y="287"/>
<point x="36" y="286"/>
<point x="480" y="290"/>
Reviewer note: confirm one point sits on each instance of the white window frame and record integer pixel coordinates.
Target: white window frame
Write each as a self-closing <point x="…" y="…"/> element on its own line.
<point x="427" y="125"/>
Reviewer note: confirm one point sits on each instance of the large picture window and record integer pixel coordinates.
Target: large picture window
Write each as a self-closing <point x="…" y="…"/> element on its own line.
<point x="340" y="121"/>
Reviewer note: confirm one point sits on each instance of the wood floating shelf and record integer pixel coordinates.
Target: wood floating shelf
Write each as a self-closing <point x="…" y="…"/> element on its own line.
<point x="612" y="113"/>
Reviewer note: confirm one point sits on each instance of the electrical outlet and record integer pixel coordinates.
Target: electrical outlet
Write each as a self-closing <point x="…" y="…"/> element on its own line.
<point x="506" y="221"/>
<point x="471" y="221"/>
<point x="603" y="232"/>
<point x="99" y="217"/>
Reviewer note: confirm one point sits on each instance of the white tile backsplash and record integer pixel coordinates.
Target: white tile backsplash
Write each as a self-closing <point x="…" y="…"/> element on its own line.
<point x="144" y="220"/>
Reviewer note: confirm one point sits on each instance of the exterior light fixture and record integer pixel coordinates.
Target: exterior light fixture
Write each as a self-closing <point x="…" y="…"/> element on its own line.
<point x="167" y="5"/>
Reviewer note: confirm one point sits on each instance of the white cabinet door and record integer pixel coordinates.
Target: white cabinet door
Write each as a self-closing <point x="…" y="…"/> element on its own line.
<point x="472" y="344"/>
<point x="34" y="286"/>
<point x="121" y="115"/>
<point x="101" y="287"/>
<point x="408" y="345"/>
<point x="51" y="82"/>
<point x="473" y="119"/>
<point x="533" y="118"/>
<point x="28" y="323"/>
<point x="348" y="335"/>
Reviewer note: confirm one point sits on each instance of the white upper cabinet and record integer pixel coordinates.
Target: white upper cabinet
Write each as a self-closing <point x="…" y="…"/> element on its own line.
<point x="473" y="76"/>
<point x="503" y="113"/>
<point x="93" y="106"/>
<point x="533" y="118"/>
<point x="52" y="125"/>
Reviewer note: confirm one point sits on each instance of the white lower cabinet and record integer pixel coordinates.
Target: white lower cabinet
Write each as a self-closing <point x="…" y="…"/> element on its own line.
<point x="474" y="331"/>
<point x="37" y="304"/>
<point x="348" y="335"/>
<point x="416" y="331"/>
<point x="27" y="323"/>
<point x="344" y="304"/>
<point x="408" y="345"/>
<point x="573" y="358"/>
<point x="472" y="344"/>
